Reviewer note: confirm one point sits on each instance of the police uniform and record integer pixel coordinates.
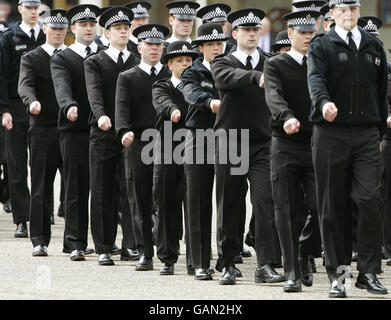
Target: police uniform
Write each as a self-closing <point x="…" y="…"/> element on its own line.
<point x="135" y="112"/>
<point x="14" y="42"/>
<point x="70" y="87"/>
<point x="237" y="77"/>
<point x="35" y="84"/>
<point x="346" y="153"/>
<point x="101" y="73"/>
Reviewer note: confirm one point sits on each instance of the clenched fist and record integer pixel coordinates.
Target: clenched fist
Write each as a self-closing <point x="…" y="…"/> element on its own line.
<point x="35" y="108"/>
<point x="7" y="120"/>
<point x="127" y="139"/>
<point x="176" y="116"/>
<point x="329" y="111"/>
<point x="72" y="114"/>
<point x="215" y="105"/>
<point x="292" y="126"/>
<point x="104" y="123"/>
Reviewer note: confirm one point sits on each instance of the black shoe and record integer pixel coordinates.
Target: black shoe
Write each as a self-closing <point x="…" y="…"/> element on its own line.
<point x="116" y="250"/>
<point x="77" y="255"/>
<point x="7" y="206"/>
<point x="21" y="230"/>
<point x="40" y="251"/>
<point x="228" y="277"/>
<point x="293" y="286"/>
<point x="354" y="256"/>
<point x="144" y="264"/>
<point x="89" y="251"/>
<point x="190" y="271"/>
<point x="388" y="263"/>
<point x="60" y="211"/>
<point x="238" y="273"/>
<point x="306" y="271"/>
<point x="211" y="271"/>
<point x="313" y="264"/>
<point x="266" y="273"/>
<point x="52" y="219"/>
<point x="337" y="290"/>
<point x="203" y="274"/>
<point x="245" y="253"/>
<point x="370" y="282"/>
<point x="129" y="254"/>
<point x="167" y="269"/>
<point x="238" y="259"/>
<point x="105" y="259"/>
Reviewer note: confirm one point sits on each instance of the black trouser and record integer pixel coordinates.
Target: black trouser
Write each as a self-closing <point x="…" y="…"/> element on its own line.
<point x="45" y="160"/>
<point x="16" y="141"/>
<point x="139" y="180"/>
<point x="347" y="161"/>
<point x="291" y="169"/>
<point x="387" y="196"/>
<point x="229" y="202"/>
<point x="199" y="181"/>
<point x="105" y="162"/>
<point x="74" y="151"/>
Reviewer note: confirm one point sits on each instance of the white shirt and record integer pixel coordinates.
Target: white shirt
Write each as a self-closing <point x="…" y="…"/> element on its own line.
<point x="104" y="40"/>
<point x="264" y="42"/>
<point x="173" y="39"/>
<point x="296" y="55"/>
<point x="80" y="48"/>
<point x="133" y="39"/>
<point x="175" y="81"/>
<point x="27" y="29"/>
<point x="343" y="34"/>
<point x="147" y="68"/>
<point x="113" y="53"/>
<point x="207" y="65"/>
<point x="242" y="56"/>
<point x="50" y="49"/>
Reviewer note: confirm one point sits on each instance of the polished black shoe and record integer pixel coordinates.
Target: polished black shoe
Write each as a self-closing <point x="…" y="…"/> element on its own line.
<point x="52" y="222"/>
<point x="144" y="264"/>
<point x="190" y="271"/>
<point x="40" y="251"/>
<point x="313" y="264"/>
<point x="245" y="253"/>
<point x="228" y="277"/>
<point x="238" y="273"/>
<point x="306" y="271"/>
<point x="238" y="259"/>
<point x="129" y="254"/>
<point x="21" y="230"/>
<point x="266" y="273"/>
<point x="89" y="251"/>
<point x="202" y="274"/>
<point x="77" y="255"/>
<point x="167" y="269"/>
<point x="7" y="206"/>
<point x="60" y="211"/>
<point x="105" y="259"/>
<point x="116" y="250"/>
<point x="337" y="290"/>
<point x="293" y="286"/>
<point x="388" y="263"/>
<point x="354" y="256"/>
<point x="370" y="282"/>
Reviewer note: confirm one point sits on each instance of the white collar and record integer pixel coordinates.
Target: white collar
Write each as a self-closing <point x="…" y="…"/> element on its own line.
<point x="147" y="68"/>
<point x="50" y="49"/>
<point x="133" y="39"/>
<point x="206" y="64"/>
<point x="296" y="55"/>
<point x="113" y="53"/>
<point x="174" y="38"/>
<point x="343" y="34"/>
<point x="27" y="29"/>
<point x="242" y="56"/>
<point x="80" y="48"/>
<point x="104" y="40"/>
<point x="175" y="81"/>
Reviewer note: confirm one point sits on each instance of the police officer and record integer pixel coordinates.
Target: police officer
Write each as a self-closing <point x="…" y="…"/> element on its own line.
<point x="347" y="79"/>
<point x="312" y="5"/>
<point x="37" y="92"/>
<point x="282" y="44"/>
<point x="22" y="37"/>
<point x="328" y="21"/>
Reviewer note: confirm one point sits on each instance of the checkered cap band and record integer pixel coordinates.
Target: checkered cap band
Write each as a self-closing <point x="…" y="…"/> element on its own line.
<point x="35" y="3"/>
<point x="140" y="10"/>
<point x="154" y="33"/>
<point x="337" y="2"/>
<point x="214" y="14"/>
<point x="249" y="19"/>
<point x="184" y="50"/>
<point x="183" y="11"/>
<point x="313" y="7"/>
<point x="284" y="41"/>
<point x="86" y="14"/>
<point x="301" y="21"/>
<point x="370" y="26"/>
<point x="119" y="17"/>
<point x="215" y="36"/>
<point x="57" y="19"/>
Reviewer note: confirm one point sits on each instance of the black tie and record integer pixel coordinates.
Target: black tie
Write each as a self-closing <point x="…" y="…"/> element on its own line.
<point x="352" y="44"/>
<point x="32" y="37"/>
<point x="56" y="51"/>
<point x="88" y="49"/>
<point x="249" y="65"/>
<point x="120" y="61"/>
<point x="304" y="64"/>
<point x="153" y="72"/>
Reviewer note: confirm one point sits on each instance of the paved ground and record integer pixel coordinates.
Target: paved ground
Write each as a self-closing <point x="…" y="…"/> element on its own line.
<point x="56" y="277"/>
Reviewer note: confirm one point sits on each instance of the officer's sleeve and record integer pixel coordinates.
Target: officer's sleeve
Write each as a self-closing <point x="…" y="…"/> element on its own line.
<point x="389" y="94"/>
<point x="382" y="92"/>
<point x="278" y="106"/>
<point x="62" y="83"/>
<point x="26" y="85"/>
<point x="123" y="106"/>
<point x="162" y="101"/>
<point x="227" y="77"/>
<point x="317" y="74"/>
<point x="94" y="88"/>
<point x="5" y="70"/>
<point x="194" y="94"/>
